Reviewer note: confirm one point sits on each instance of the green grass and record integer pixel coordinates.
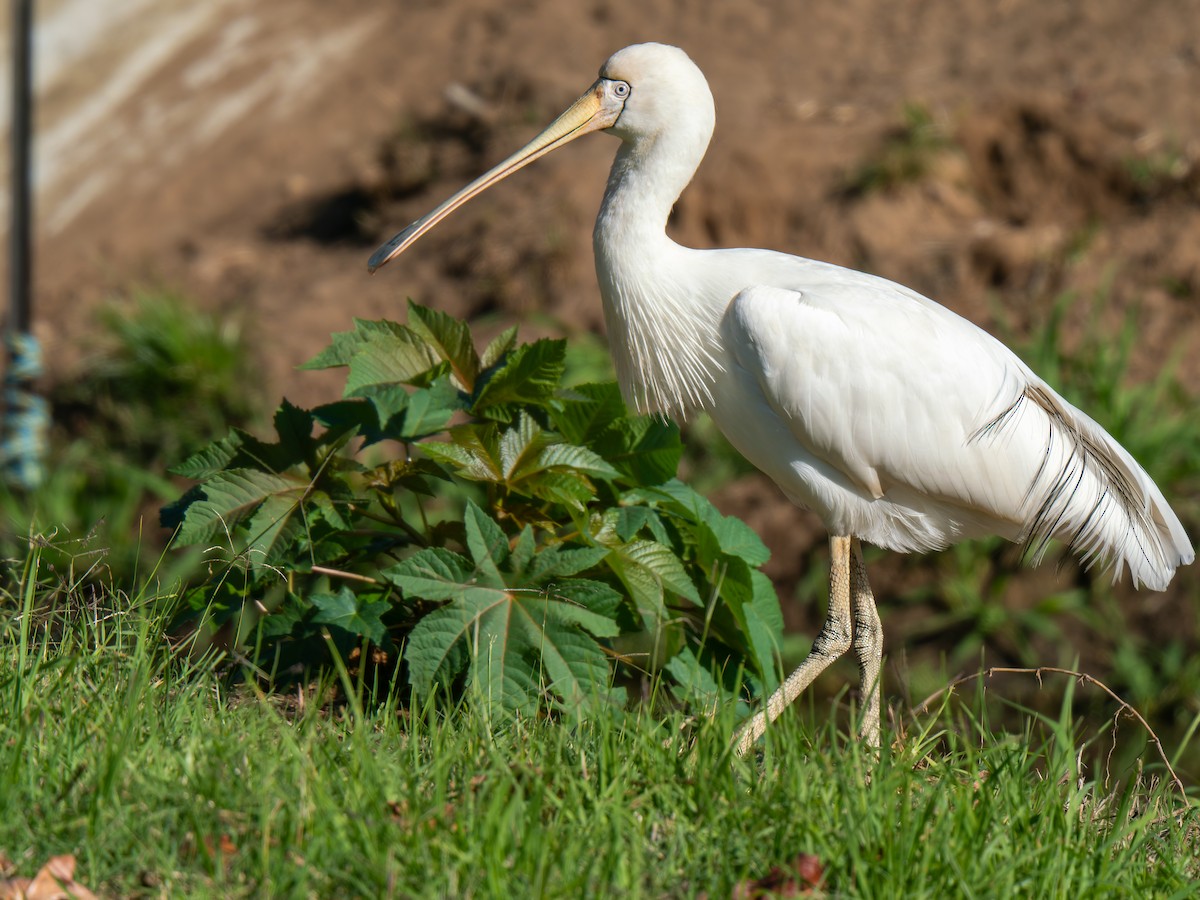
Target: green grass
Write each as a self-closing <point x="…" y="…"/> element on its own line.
<point x="168" y="778"/>
<point x="164" y="781"/>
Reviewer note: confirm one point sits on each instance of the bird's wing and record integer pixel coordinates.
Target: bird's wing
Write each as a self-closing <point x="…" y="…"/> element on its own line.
<point x="881" y="384"/>
<point x="912" y="402"/>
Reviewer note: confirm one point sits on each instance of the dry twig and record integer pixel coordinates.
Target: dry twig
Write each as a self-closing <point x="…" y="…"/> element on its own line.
<point x="349" y="576"/>
<point x="924" y="705"/>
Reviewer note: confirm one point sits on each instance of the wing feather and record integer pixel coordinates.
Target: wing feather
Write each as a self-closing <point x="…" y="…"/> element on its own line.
<point x="919" y="408"/>
<point x="889" y="393"/>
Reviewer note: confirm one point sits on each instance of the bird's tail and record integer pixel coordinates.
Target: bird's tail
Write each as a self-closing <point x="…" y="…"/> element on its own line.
<point x="1092" y="495"/>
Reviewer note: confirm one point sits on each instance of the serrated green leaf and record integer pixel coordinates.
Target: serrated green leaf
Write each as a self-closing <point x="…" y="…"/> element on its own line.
<point x="390" y="402"/>
<point x="631" y="520"/>
<point x="358" y="615"/>
<point x="520" y="447"/>
<point x="525" y="617"/>
<point x="523" y="458"/>
<point x="519" y="643"/>
<point x="602" y="526"/>
<point x="500" y="344"/>
<point x="487" y="544"/>
<point x="171" y="515"/>
<point x="293" y="426"/>
<point x="450" y="339"/>
<point x="644" y="587"/>
<point x="676" y="495"/>
<point x="560" y="562"/>
<point x="592" y="595"/>
<point x="210" y="459"/>
<point x="735" y="538"/>
<point x="730" y="535"/>
<point x="274" y="527"/>
<point x="471" y="451"/>
<point x="591" y="409"/>
<point x="338" y="353"/>
<point x="520" y="640"/>
<point x="647" y="569"/>
<point x="562" y="486"/>
<point x="695" y="684"/>
<point x="577" y="667"/>
<point x="386" y="358"/>
<point x="429" y="411"/>
<point x="344" y="416"/>
<point x="240" y="450"/>
<point x="662" y="561"/>
<point x="536" y="465"/>
<point x="327" y="509"/>
<point x="434" y="573"/>
<point x="522" y="554"/>
<point x="764" y="627"/>
<point x="329" y="549"/>
<point x="436" y="649"/>
<point x="645" y="449"/>
<point x="560" y="606"/>
<point x="750" y="598"/>
<point x="404" y="414"/>
<point x="578" y="459"/>
<point x="346" y="343"/>
<point x="229" y="497"/>
<point x="414" y="475"/>
<point x="451" y="454"/>
<point x="530" y="375"/>
<point x="284" y="619"/>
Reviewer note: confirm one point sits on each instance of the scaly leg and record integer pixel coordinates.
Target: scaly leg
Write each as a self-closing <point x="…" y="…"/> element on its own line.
<point x="868" y="643"/>
<point x="833" y="641"/>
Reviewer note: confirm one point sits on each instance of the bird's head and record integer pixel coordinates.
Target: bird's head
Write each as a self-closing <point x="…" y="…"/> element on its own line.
<point x="642" y="92"/>
<point x="665" y="91"/>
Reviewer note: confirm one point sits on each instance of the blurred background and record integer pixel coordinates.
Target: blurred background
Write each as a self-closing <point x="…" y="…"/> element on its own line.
<point x="210" y="178"/>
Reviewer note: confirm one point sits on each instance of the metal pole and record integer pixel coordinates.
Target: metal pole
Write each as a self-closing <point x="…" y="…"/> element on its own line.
<point x="25" y="413"/>
<point x="22" y="78"/>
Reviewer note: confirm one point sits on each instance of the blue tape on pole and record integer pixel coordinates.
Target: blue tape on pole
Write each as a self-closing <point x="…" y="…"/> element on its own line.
<point x="26" y="414"/>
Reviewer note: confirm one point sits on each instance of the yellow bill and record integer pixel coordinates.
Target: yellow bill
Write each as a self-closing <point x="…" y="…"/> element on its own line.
<point x="597" y="109"/>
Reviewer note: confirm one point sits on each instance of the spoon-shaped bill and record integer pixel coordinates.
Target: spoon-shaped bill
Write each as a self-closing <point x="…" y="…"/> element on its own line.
<point x="595" y="110"/>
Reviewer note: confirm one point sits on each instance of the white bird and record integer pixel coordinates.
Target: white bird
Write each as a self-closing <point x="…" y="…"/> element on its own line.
<point x="895" y="420"/>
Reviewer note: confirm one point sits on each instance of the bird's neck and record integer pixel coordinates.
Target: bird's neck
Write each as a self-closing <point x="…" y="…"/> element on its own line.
<point x="662" y="321"/>
<point x="646" y="179"/>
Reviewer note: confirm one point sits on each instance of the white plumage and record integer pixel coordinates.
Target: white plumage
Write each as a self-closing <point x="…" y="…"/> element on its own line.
<point x="895" y="420"/>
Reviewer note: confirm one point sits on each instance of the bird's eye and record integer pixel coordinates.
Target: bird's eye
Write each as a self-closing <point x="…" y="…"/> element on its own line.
<point x="620" y="89"/>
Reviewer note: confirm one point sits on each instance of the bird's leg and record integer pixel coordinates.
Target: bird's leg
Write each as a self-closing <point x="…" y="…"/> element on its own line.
<point x="868" y="643"/>
<point x="832" y="642"/>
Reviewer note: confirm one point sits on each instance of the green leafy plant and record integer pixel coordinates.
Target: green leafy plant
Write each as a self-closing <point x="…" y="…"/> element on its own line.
<point x="159" y="361"/>
<point x="159" y="378"/>
<point x="502" y="533"/>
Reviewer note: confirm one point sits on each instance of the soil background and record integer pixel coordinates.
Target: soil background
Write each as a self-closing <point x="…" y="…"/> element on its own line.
<point x="250" y="154"/>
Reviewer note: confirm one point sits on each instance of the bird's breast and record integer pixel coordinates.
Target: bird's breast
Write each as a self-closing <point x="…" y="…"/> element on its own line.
<point x="663" y="329"/>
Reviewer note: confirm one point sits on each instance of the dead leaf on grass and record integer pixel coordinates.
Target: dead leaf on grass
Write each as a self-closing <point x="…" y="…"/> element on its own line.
<point x="803" y="876"/>
<point x="224" y="844"/>
<point x="55" y="881"/>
